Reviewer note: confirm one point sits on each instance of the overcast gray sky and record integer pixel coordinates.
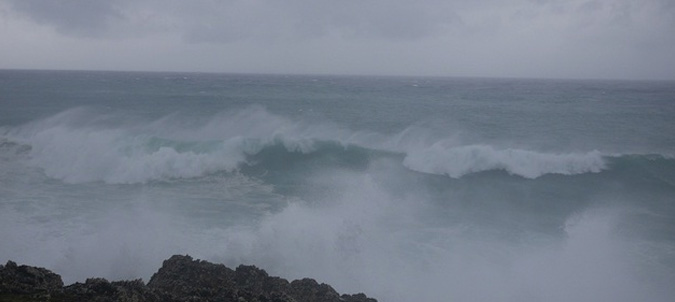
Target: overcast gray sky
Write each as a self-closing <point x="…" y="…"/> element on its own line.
<point x="632" y="39"/>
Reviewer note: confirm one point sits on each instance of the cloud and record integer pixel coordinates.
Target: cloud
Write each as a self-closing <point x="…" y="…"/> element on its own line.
<point x="234" y="20"/>
<point x="523" y="38"/>
<point x="77" y="17"/>
<point x="272" y="21"/>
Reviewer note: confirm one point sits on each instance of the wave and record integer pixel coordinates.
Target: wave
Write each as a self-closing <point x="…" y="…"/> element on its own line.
<point x="457" y="161"/>
<point x="80" y="146"/>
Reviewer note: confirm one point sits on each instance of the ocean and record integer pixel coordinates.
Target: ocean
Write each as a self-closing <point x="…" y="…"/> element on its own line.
<point x="404" y="188"/>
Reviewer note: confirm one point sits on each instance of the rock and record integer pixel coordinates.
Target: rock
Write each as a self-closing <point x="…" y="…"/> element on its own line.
<point x="310" y="290"/>
<point x="183" y="279"/>
<point x="180" y="279"/>
<point x="100" y="290"/>
<point x="360" y="297"/>
<point x="255" y="284"/>
<point x="31" y="283"/>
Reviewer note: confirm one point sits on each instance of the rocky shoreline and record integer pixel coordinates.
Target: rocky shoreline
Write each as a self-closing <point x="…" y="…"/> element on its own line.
<point x="180" y="279"/>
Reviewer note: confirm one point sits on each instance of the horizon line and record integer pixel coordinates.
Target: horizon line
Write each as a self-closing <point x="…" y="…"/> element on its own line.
<point x="477" y="77"/>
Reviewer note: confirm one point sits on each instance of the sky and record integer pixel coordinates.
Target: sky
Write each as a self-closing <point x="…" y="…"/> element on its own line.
<point x="606" y="39"/>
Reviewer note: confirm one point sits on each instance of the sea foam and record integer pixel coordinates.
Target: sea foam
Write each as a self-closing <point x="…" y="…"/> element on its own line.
<point x="79" y="146"/>
<point x="457" y="161"/>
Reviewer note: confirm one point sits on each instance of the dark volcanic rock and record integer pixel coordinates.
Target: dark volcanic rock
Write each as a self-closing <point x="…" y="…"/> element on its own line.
<point x="100" y="290"/>
<point x="180" y="279"/>
<point x="255" y="285"/>
<point x="183" y="279"/>
<point x="33" y="283"/>
<point x="360" y="297"/>
<point x="309" y="290"/>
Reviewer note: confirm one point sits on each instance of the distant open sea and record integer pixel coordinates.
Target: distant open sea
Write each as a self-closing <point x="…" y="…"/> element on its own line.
<point x="405" y="188"/>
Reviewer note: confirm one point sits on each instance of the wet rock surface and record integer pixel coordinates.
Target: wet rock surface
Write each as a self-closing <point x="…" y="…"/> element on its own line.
<point x="180" y="279"/>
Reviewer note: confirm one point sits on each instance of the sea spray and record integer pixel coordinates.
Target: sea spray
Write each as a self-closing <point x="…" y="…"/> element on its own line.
<point x="468" y="189"/>
<point x="456" y="161"/>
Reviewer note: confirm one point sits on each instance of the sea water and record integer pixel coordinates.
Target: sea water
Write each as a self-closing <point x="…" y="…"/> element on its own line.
<point x="407" y="189"/>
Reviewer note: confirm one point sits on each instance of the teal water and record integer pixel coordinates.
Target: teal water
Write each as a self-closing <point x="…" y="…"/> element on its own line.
<point x="408" y="189"/>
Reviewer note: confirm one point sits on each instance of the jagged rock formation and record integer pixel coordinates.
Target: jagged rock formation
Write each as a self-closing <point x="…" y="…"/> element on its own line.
<point x="30" y="283"/>
<point x="180" y="279"/>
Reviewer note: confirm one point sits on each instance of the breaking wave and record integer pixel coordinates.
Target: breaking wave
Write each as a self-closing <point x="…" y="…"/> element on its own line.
<point x="459" y="161"/>
<point x="77" y="146"/>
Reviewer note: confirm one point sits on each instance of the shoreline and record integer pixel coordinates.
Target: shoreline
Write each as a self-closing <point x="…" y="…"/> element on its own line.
<point x="181" y="278"/>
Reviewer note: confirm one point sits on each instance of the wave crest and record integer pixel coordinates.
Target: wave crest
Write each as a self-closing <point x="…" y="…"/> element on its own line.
<point x="79" y="146"/>
<point x="457" y="161"/>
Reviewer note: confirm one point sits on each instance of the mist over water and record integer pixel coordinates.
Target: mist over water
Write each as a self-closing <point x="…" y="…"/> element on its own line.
<point x="405" y="189"/>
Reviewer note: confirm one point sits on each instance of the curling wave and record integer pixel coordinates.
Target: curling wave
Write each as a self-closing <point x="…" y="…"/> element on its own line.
<point x="76" y="147"/>
<point x="457" y="161"/>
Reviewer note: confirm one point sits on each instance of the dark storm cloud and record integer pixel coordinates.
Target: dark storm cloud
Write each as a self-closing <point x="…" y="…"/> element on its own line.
<point x="233" y="20"/>
<point x="531" y="38"/>
<point x="77" y="17"/>
<point x="300" y="19"/>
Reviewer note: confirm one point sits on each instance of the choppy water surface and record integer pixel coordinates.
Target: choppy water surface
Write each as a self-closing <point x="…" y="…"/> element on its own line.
<point x="408" y="189"/>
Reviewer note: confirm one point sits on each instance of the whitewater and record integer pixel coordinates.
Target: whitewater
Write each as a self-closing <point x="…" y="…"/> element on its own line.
<point x="407" y="189"/>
